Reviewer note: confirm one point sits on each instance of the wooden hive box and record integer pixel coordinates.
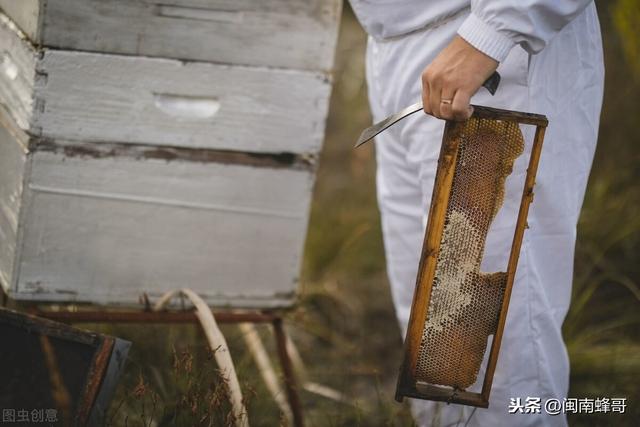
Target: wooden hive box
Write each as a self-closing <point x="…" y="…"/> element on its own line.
<point x="146" y="147"/>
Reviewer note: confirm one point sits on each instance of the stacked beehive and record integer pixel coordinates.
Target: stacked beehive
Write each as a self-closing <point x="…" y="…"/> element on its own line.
<point x="152" y="145"/>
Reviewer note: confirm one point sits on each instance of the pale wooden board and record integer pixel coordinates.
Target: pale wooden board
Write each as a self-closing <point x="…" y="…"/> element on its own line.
<point x="277" y="33"/>
<point x="25" y="13"/>
<point x="128" y="99"/>
<point x="95" y="97"/>
<point x="12" y="171"/>
<point x="105" y="230"/>
<point x="17" y="73"/>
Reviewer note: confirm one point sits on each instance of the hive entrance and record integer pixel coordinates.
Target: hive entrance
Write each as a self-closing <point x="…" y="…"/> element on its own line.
<point x="456" y="306"/>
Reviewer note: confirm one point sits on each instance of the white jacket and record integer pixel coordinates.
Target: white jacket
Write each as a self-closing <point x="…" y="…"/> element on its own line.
<point x="493" y="26"/>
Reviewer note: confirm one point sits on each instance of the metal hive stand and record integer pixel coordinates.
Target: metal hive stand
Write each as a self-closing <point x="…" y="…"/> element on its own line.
<point x="273" y="317"/>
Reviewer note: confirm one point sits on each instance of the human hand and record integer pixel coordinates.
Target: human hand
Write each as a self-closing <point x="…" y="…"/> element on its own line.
<point x="452" y="78"/>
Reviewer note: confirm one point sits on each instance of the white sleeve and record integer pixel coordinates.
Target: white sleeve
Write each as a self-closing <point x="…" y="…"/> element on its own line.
<point x="496" y="26"/>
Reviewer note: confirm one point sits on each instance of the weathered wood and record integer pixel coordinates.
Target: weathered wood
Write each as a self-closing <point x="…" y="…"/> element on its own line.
<point x="12" y="171"/>
<point x="443" y="394"/>
<point x="275" y="33"/>
<point x="106" y="228"/>
<point x="220" y="230"/>
<point x="199" y="155"/>
<point x="25" y="13"/>
<point x="17" y="73"/>
<point x="95" y="97"/>
<point x="522" y="117"/>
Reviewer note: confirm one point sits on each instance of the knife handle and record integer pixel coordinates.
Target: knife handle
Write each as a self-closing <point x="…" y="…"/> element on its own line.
<point x="491" y="84"/>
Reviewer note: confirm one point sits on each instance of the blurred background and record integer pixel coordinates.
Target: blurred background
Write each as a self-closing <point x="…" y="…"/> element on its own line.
<point x="344" y="326"/>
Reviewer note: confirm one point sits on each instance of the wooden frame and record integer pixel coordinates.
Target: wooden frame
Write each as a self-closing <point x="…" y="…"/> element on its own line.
<point x="408" y="386"/>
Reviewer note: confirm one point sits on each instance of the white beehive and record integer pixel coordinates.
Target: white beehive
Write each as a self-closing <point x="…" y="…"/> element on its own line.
<point x="146" y="147"/>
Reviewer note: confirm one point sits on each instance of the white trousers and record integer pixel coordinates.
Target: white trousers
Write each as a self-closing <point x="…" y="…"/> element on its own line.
<point x="564" y="82"/>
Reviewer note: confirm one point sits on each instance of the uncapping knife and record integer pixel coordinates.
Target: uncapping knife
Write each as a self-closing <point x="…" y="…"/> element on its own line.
<point x="491" y="84"/>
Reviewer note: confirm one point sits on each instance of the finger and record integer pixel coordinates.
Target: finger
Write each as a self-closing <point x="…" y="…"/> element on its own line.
<point x="460" y="108"/>
<point x="426" y="106"/>
<point x="434" y="97"/>
<point x="446" y="101"/>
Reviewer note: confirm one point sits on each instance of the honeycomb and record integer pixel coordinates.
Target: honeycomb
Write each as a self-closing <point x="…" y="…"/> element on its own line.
<point x="465" y="302"/>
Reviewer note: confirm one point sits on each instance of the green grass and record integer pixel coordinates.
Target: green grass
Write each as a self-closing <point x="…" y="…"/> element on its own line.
<point x="601" y="329"/>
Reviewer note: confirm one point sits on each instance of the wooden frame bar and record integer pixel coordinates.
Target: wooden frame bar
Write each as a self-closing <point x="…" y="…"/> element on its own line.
<point x="408" y="386"/>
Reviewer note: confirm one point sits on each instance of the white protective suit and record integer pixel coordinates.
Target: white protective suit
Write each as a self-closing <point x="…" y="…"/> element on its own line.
<point x="550" y="55"/>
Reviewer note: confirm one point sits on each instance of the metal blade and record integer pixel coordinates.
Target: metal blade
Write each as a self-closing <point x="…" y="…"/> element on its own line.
<point x="371" y="131"/>
<point x="491" y="84"/>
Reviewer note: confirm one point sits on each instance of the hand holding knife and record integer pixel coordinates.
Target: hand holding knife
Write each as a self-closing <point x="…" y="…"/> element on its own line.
<point x="491" y="84"/>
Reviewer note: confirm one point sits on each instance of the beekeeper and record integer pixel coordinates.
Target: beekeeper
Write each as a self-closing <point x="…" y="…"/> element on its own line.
<point x="549" y="55"/>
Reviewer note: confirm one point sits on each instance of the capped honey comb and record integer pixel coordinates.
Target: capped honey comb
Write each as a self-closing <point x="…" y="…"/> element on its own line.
<point x="465" y="302"/>
<point x="456" y="306"/>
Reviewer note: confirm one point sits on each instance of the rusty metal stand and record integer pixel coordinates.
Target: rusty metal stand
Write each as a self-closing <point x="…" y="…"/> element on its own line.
<point x="170" y="317"/>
